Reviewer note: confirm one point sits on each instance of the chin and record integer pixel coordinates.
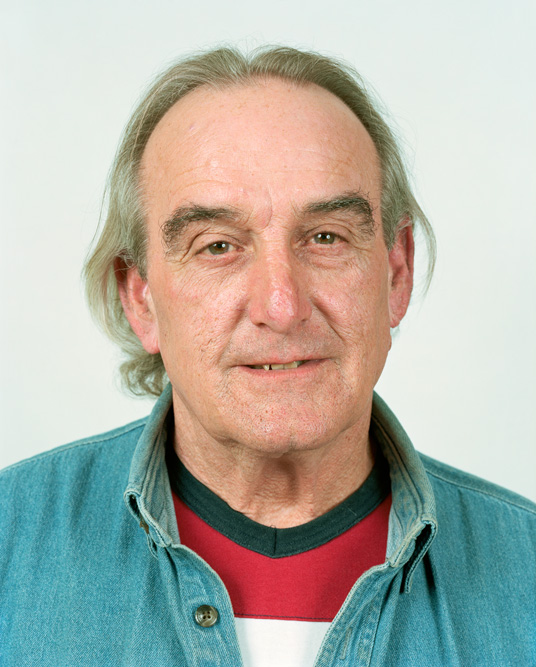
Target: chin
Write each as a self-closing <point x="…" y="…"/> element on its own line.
<point x="277" y="438"/>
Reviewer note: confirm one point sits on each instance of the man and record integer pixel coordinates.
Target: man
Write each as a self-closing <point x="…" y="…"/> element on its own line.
<point x="258" y="251"/>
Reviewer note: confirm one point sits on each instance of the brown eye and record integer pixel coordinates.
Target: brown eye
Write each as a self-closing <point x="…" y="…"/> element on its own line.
<point x="325" y="238"/>
<point x="219" y="248"/>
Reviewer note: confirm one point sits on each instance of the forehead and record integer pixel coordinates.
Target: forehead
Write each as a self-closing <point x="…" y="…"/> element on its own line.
<point x="269" y="140"/>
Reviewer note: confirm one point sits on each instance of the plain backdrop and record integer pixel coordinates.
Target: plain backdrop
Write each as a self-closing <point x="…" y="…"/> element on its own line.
<point x="459" y="80"/>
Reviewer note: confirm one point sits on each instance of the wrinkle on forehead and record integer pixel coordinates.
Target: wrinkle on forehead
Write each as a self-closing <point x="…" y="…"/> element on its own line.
<point x="247" y="141"/>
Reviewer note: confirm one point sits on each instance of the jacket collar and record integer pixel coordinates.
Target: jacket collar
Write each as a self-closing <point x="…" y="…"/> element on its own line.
<point x="148" y="493"/>
<point x="412" y="521"/>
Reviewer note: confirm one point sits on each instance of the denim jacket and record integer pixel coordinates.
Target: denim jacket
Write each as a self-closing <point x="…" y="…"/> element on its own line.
<point x="92" y="571"/>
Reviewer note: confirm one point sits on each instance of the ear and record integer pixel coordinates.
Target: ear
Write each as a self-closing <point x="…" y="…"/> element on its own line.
<point x="400" y="274"/>
<point x="138" y="305"/>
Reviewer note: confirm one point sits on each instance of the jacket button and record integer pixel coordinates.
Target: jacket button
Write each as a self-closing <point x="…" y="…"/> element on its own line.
<point x="206" y="615"/>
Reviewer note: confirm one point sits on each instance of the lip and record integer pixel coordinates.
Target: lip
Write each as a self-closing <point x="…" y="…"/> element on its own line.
<point x="310" y="366"/>
<point x="279" y="360"/>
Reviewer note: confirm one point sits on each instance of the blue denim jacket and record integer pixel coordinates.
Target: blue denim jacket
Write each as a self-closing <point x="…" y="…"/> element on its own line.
<point x="92" y="571"/>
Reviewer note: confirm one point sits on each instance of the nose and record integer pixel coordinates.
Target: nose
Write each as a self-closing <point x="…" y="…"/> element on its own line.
<point x="278" y="292"/>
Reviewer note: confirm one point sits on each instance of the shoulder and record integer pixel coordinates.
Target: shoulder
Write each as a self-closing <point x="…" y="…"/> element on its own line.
<point x="448" y="480"/>
<point x="74" y="462"/>
<point x="71" y="496"/>
<point x="481" y="521"/>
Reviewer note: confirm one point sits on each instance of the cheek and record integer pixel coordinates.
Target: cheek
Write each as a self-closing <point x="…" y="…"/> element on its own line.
<point x="359" y="314"/>
<point x="358" y="305"/>
<point x="195" y="317"/>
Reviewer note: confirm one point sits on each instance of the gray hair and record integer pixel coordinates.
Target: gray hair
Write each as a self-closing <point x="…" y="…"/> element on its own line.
<point x="123" y="234"/>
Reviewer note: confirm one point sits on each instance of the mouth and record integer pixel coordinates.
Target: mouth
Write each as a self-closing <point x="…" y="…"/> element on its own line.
<point x="278" y="367"/>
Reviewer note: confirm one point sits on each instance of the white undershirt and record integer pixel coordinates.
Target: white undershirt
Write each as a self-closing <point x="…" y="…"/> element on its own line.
<point x="274" y="643"/>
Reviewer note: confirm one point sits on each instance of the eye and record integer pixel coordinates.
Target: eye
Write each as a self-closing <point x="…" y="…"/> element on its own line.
<point x="219" y="248"/>
<point x="325" y="238"/>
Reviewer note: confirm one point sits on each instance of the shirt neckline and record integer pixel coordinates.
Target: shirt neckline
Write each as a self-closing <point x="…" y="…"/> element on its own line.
<point x="278" y="542"/>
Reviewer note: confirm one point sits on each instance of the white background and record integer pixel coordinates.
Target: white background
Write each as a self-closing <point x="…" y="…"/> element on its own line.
<point x="458" y="77"/>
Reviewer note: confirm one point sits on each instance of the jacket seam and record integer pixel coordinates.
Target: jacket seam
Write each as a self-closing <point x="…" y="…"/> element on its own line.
<point x="483" y="492"/>
<point x="97" y="440"/>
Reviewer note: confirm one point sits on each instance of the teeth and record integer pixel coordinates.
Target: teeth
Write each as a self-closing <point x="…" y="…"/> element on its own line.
<point x="280" y="367"/>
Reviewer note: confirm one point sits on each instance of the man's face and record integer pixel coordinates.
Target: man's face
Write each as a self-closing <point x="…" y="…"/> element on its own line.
<point x="262" y="250"/>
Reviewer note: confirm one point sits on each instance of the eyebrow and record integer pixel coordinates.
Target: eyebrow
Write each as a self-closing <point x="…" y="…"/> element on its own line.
<point x="184" y="216"/>
<point x="353" y="202"/>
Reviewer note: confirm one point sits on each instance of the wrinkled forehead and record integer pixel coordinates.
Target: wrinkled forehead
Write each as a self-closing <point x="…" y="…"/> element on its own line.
<point x="257" y="134"/>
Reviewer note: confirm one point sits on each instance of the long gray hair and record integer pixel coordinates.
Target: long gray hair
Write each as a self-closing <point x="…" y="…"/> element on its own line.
<point x="123" y="234"/>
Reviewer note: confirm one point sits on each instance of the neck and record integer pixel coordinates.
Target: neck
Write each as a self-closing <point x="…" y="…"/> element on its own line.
<point x="282" y="489"/>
